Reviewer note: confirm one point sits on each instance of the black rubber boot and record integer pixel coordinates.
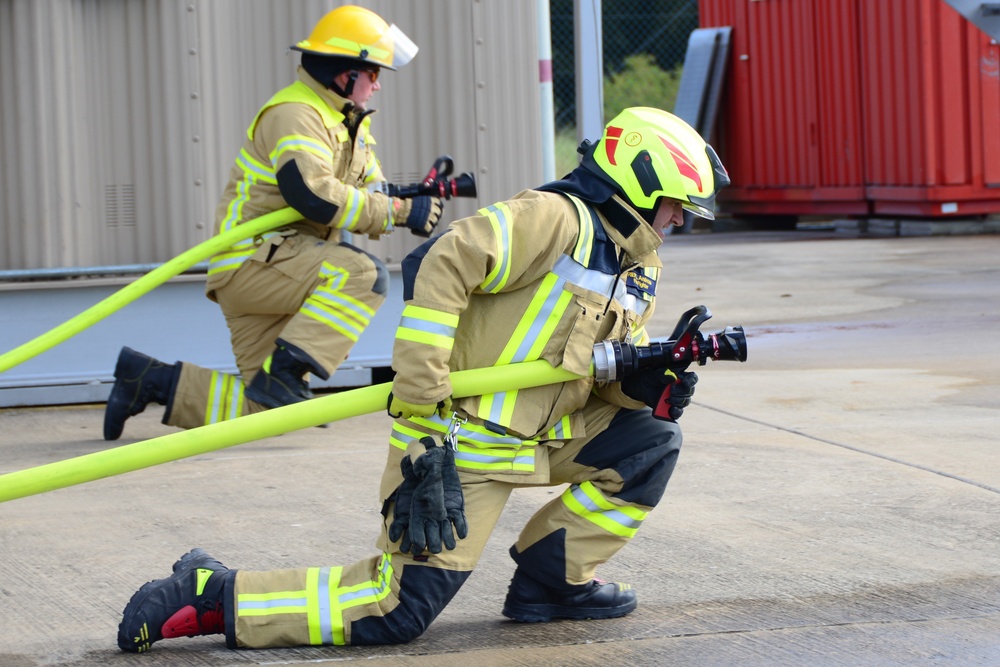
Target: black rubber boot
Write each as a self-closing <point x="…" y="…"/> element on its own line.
<point x="281" y="380"/>
<point x="528" y="601"/>
<point x="139" y="381"/>
<point x="188" y="603"/>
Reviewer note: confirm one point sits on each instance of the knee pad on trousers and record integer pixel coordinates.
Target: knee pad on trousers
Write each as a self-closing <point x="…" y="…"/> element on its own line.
<point x="640" y="448"/>
<point x="545" y="560"/>
<point x="381" y="285"/>
<point x="423" y="594"/>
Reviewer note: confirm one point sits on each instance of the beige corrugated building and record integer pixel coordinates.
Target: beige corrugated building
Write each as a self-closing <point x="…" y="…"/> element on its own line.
<point x="120" y="119"/>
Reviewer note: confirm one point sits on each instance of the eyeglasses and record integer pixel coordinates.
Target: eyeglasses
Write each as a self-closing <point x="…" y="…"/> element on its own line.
<point x="373" y="73"/>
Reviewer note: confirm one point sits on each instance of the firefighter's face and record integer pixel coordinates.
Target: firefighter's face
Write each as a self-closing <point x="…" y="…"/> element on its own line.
<point x="668" y="212"/>
<point x="365" y="85"/>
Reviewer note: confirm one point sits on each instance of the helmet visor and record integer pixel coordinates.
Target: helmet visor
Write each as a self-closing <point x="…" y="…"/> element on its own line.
<point x="705" y="206"/>
<point x="403" y="48"/>
<point x="699" y="210"/>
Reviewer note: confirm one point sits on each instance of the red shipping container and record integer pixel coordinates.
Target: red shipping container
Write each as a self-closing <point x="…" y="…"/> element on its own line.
<point x="931" y="112"/>
<point x="857" y="107"/>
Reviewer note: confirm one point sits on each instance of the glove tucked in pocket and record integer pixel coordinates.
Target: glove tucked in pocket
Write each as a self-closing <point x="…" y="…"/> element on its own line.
<point x="430" y="506"/>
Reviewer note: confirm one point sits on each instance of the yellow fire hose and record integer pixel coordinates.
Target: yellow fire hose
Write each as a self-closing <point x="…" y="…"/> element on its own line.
<point x="324" y="409"/>
<point x="145" y="284"/>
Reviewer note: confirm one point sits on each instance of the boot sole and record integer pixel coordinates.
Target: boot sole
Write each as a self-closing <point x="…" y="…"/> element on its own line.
<point x="543" y="613"/>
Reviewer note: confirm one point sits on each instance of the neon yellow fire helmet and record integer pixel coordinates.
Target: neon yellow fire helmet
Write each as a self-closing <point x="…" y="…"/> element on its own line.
<point x="647" y="153"/>
<point x="356" y="33"/>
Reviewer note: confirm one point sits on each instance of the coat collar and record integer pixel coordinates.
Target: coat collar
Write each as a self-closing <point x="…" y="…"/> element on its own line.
<point x="623" y="224"/>
<point x="332" y="99"/>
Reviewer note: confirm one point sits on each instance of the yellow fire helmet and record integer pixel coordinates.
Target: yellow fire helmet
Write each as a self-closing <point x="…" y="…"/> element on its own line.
<point x="356" y="33"/>
<point x="648" y="153"/>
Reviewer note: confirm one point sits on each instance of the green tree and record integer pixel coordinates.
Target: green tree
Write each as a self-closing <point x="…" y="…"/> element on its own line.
<point x="641" y="83"/>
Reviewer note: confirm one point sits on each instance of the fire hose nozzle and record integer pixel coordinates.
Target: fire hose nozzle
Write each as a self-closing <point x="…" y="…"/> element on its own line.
<point x="613" y="360"/>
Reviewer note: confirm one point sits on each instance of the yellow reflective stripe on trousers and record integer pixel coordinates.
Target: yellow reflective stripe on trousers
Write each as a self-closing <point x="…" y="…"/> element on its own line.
<point x="225" y="398"/>
<point x="561" y="431"/>
<point x="478" y="447"/>
<point x="323" y="601"/>
<point x="588" y="502"/>
<point x="495" y="459"/>
<point x="427" y="326"/>
<point x="404" y="432"/>
<point x="499" y="217"/>
<point x="338" y="310"/>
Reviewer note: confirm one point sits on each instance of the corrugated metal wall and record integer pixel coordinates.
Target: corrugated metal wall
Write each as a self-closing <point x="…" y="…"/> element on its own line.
<point x="120" y="119"/>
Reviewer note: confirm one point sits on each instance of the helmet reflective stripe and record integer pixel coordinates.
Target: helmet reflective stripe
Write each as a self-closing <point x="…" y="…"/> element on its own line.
<point x="356" y="33"/>
<point x="685" y="166"/>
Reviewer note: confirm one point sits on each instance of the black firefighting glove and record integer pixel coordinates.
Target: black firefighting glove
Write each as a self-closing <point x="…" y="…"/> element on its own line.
<point x="430" y="507"/>
<point x="662" y="389"/>
<point x="420" y="214"/>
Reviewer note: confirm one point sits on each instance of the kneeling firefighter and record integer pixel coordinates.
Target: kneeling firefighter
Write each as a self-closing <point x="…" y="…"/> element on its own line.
<point x="297" y="299"/>
<point x="544" y="275"/>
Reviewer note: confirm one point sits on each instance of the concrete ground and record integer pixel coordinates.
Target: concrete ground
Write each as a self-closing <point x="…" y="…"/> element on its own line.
<point x="836" y="502"/>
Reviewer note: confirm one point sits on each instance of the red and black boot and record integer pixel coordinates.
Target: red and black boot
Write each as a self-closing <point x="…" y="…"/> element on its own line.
<point x="188" y="603"/>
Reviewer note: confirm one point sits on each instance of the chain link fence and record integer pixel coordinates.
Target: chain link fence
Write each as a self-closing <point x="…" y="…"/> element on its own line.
<point x="644" y="46"/>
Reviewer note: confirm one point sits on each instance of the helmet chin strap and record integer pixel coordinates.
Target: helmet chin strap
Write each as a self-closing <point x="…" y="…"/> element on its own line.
<point x="352" y="77"/>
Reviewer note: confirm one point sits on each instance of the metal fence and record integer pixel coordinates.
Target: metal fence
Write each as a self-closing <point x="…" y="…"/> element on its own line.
<point x="644" y="45"/>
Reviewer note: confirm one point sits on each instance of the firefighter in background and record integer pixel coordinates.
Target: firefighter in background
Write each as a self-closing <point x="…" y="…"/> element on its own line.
<point x="297" y="299"/>
<point x="544" y="275"/>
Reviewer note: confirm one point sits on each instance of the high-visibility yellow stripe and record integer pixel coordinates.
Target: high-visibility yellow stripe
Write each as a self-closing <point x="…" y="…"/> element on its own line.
<point x="478" y="447"/>
<point x="495" y="459"/>
<point x="589" y="503"/>
<point x="370" y="591"/>
<point x="431" y="315"/>
<point x="527" y="320"/>
<point x="585" y="239"/>
<point x="300" y="93"/>
<point x="427" y="326"/>
<point x="348" y="323"/>
<point x="301" y="143"/>
<point x="352" y="47"/>
<point x="350" y="212"/>
<point x="499" y="217"/>
<point x="254" y="170"/>
<point x="562" y="430"/>
<point x="313" y="611"/>
<point x="273" y="603"/>
<point x="425" y="338"/>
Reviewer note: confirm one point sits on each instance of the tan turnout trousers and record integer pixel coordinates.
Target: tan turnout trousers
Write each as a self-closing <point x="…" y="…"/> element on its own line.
<point x="317" y="605"/>
<point x="316" y="295"/>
